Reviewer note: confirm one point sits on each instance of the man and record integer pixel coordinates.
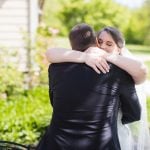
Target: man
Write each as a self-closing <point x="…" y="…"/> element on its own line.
<point x="85" y="104"/>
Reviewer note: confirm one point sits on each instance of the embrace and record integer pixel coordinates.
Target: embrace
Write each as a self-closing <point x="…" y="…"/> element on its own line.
<point x="92" y="91"/>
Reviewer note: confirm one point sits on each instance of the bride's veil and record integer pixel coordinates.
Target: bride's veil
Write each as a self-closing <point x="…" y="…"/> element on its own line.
<point x="135" y="136"/>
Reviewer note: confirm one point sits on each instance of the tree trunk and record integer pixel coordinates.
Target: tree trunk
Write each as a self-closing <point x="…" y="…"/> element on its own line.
<point x="41" y="6"/>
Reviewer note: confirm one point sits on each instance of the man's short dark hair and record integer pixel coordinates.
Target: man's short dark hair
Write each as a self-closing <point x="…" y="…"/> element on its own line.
<point x="82" y="36"/>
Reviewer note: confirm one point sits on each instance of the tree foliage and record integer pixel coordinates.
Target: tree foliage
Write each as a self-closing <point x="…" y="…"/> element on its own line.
<point x="146" y="16"/>
<point x="134" y="23"/>
<point x="138" y="30"/>
<point x="96" y="13"/>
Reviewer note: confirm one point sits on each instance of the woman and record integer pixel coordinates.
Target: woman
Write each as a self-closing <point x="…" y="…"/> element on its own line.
<point x="110" y="40"/>
<point x="137" y="138"/>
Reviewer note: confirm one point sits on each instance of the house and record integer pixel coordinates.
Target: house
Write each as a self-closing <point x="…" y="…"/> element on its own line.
<point x="18" y="20"/>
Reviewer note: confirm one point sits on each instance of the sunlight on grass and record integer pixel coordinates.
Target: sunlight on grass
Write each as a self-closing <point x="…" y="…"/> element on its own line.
<point x="148" y="108"/>
<point x="139" y="48"/>
<point x="148" y="66"/>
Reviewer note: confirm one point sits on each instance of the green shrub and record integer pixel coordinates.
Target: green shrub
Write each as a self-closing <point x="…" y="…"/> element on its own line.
<point x="11" y="81"/>
<point x="25" y="117"/>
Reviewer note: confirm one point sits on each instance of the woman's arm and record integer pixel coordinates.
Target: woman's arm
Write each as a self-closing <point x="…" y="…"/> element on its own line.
<point x="95" y="60"/>
<point x="134" y="67"/>
<point x="57" y="55"/>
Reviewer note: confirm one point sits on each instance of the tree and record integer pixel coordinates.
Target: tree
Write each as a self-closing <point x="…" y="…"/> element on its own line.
<point x="146" y="16"/>
<point x="138" y="30"/>
<point x="96" y="13"/>
<point x="41" y="6"/>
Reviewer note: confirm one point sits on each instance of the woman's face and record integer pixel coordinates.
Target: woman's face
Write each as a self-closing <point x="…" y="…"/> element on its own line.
<point x="106" y="42"/>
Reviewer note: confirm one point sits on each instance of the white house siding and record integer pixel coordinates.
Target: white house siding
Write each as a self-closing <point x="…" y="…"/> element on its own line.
<point x="18" y="18"/>
<point x="13" y="22"/>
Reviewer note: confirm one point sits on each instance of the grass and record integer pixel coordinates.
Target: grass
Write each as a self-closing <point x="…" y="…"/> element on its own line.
<point x="148" y="66"/>
<point x="139" y="49"/>
<point x="148" y="108"/>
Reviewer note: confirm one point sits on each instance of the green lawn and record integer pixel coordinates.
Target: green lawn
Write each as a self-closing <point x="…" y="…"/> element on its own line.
<point x="148" y="108"/>
<point x="148" y="66"/>
<point x="139" y="49"/>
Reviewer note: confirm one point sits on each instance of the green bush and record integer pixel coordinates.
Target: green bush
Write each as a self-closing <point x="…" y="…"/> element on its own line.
<point x="25" y="112"/>
<point x="11" y="81"/>
<point x="25" y="117"/>
<point x="10" y="78"/>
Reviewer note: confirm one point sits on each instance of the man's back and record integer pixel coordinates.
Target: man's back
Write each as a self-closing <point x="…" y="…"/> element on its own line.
<point x="85" y="106"/>
<point x="75" y="83"/>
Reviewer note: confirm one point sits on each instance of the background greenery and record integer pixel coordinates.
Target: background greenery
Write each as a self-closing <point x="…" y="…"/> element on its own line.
<point x="25" y="116"/>
<point x="26" y="112"/>
<point x="134" y="23"/>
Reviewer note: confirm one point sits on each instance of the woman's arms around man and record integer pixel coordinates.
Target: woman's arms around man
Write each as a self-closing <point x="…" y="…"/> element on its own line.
<point x="97" y="59"/>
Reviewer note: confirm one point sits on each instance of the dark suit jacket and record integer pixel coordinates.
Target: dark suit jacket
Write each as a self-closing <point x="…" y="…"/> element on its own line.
<point x="73" y="83"/>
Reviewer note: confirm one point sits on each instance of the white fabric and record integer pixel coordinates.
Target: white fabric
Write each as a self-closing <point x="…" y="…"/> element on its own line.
<point x="135" y="136"/>
<point x="124" y="134"/>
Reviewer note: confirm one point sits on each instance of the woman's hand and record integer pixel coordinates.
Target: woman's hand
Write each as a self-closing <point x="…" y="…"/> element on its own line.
<point x="93" y="57"/>
<point x="96" y="58"/>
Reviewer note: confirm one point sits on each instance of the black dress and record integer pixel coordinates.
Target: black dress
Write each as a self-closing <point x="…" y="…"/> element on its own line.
<point x="85" y="107"/>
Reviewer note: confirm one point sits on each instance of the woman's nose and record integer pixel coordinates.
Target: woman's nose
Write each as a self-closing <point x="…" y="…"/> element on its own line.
<point x="102" y="46"/>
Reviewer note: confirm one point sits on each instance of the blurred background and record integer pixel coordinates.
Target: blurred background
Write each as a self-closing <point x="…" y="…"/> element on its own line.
<point x="28" y="28"/>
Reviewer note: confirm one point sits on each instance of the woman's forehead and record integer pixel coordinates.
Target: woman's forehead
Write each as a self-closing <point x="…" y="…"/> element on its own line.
<point x="105" y="36"/>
